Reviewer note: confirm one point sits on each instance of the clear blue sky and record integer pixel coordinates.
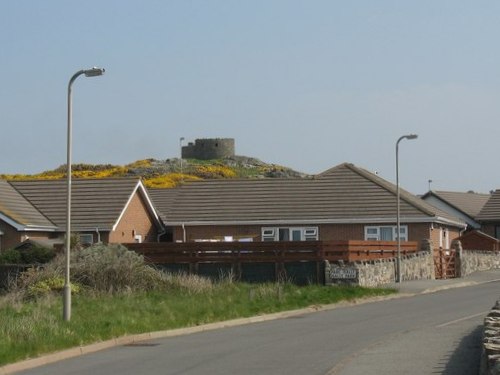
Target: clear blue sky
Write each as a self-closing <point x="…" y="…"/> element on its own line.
<point x="305" y="84"/>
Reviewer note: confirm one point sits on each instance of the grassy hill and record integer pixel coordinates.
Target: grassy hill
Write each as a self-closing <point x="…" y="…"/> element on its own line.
<point x="169" y="173"/>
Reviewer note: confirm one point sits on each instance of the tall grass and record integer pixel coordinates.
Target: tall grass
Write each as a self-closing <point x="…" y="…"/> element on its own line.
<point x="36" y="326"/>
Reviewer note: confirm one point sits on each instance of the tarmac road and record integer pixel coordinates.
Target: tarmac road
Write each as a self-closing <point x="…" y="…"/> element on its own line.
<point x="430" y="333"/>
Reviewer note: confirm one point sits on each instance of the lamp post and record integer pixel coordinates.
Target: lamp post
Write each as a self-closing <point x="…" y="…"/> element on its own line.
<point x="398" y="224"/>
<point x="93" y="72"/>
<point x="180" y="150"/>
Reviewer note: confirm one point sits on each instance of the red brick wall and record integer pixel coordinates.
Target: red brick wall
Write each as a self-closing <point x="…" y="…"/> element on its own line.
<point x="327" y="232"/>
<point x="341" y="232"/>
<point x="207" y="232"/>
<point x="453" y="233"/>
<point x="135" y="221"/>
<point x="11" y="237"/>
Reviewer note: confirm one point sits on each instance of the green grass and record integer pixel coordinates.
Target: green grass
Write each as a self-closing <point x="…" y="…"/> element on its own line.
<point x="28" y="329"/>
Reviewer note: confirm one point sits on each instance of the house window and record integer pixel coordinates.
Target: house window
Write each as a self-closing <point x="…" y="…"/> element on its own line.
<point x="86" y="239"/>
<point x="385" y="233"/>
<point x="311" y="234"/>
<point x="290" y="234"/>
<point x="268" y="234"/>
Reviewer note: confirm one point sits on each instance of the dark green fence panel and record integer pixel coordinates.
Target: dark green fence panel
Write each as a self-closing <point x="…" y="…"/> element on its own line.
<point x="258" y="272"/>
<point x="304" y="273"/>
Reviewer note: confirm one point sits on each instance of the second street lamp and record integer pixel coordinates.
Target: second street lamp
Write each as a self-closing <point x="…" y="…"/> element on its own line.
<point x="93" y="72"/>
<point x="398" y="224"/>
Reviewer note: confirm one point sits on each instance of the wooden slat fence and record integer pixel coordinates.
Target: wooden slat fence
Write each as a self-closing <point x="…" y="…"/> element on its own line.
<point x="351" y="251"/>
<point x="297" y="259"/>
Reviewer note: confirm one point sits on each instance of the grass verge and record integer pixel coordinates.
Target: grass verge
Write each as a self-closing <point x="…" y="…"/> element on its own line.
<point x="32" y="328"/>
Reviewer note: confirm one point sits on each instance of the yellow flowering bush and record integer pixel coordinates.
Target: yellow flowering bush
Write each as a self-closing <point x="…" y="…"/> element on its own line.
<point x="214" y="171"/>
<point x="168" y="180"/>
<point x="145" y="163"/>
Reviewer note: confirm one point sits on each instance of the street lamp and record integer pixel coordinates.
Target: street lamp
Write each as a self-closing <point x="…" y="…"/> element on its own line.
<point x="93" y="72"/>
<point x="398" y="225"/>
<point x="180" y="150"/>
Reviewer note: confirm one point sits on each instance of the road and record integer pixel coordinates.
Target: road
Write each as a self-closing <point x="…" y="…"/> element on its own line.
<point x="435" y="333"/>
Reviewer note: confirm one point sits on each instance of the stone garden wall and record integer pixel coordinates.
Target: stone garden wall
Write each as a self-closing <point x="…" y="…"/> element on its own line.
<point x="490" y="357"/>
<point x="380" y="272"/>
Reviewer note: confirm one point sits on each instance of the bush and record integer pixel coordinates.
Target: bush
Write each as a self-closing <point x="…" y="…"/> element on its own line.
<point x="98" y="268"/>
<point x="114" y="268"/>
<point x="33" y="255"/>
<point x="10" y="256"/>
<point x="37" y="254"/>
<point x="49" y="285"/>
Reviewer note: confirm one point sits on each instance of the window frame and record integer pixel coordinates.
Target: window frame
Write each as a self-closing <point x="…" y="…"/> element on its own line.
<point x="375" y="235"/>
<point x="81" y="237"/>
<point x="273" y="233"/>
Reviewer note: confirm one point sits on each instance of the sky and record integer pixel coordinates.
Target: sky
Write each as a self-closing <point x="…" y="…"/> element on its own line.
<point x="305" y="84"/>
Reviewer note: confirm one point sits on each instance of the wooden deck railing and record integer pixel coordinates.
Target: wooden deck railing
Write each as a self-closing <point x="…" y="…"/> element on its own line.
<point x="350" y="251"/>
<point x="255" y="252"/>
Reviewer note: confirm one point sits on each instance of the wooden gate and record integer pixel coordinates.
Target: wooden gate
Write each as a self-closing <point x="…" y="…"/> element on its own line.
<point x="444" y="263"/>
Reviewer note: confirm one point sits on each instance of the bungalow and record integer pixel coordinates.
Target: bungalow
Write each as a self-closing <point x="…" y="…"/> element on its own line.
<point x="489" y="216"/>
<point x="465" y="206"/>
<point x="103" y="210"/>
<point x="19" y="219"/>
<point x="343" y="203"/>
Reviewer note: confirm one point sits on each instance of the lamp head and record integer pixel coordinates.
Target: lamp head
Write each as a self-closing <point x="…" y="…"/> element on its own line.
<point x="94" y="72"/>
<point x="411" y="136"/>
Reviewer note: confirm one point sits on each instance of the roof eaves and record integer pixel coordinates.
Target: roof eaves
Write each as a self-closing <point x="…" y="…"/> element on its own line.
<point x="365" y="220"/>
<point x="26" y="227"/>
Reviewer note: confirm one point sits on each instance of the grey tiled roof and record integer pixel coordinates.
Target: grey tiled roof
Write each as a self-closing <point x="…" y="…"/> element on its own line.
<point x="21" y="212"/>
<point x="491" y="210"/>
<point x="469" y="203"/>
<point x="343" y="194"/>
<point x="96" y="203"/>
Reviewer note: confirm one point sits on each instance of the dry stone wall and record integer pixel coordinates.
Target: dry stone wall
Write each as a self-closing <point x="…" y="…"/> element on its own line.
<point x="490" y="358"/>
<point x="380" y="272"/>
<point x="477" y="260"/>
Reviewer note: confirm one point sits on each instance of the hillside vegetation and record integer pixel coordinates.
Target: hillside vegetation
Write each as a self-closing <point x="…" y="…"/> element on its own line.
<point x="169" y="173"/>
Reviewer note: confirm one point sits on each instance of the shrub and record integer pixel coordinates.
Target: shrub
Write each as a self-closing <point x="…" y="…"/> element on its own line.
<point x="214" y="171"/>
<point x="37" y="254"/>
<point x="49" y="285"/>
<point x="10" y="256"/>
<point x="98" y="268"/>
<point x="114" y="268"/>
<point x="168" y="180"/>
<point x="33" y="255"/>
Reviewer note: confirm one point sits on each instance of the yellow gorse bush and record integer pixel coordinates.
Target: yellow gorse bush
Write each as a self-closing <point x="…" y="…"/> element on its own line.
<point x="77" y="172"/>
<point x="145" y="163"/>
<point x="214" y="171"/>
<point x="168" y="180"/>
<point x="150" y="178"/>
